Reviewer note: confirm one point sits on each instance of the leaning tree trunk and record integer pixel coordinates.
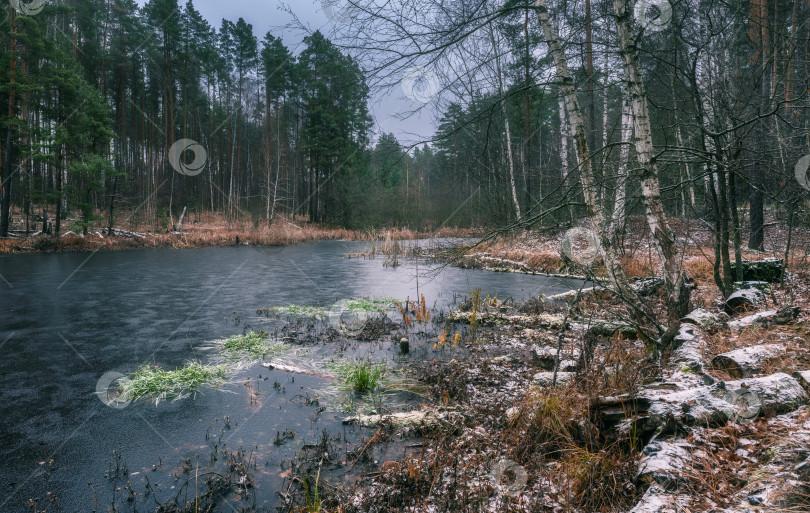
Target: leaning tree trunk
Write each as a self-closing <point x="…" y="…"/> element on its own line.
<point x="677" y="292"/>
<point x="640" y="309"/>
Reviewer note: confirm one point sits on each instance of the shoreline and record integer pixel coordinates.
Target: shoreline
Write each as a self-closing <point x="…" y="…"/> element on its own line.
<point x="207" y="236"/>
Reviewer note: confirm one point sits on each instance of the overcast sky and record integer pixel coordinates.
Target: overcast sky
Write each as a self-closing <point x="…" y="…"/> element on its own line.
<point x="267" y="15"/>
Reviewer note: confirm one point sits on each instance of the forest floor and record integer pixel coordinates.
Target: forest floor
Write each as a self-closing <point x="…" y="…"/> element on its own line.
<point x="622" y="429"/>
<point x="209" y="231"/>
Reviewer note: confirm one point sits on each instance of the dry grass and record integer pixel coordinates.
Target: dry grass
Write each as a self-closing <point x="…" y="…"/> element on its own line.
<point x="699" y="268"/>
<point x="638" y="266"/>
<point x="623" y="366"/>
<point x="544" y="260"/>
<point x="546" y="423"/>
<point x="541" y="252"/>
<point x="599" y="480"/>
<point x="548" y="435"/>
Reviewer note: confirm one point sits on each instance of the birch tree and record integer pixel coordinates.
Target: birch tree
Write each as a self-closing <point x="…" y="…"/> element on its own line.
<point x="677" y="291"/>
<point x="595" y="213"/>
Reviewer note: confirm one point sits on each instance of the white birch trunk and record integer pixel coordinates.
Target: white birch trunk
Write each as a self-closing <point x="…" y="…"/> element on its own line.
<point x="678" y="294"/>
<point x="511" y="162"/>
<point x="565" y="134"/>
<point x="620" y="204"/>
<point x="510" y="157"/>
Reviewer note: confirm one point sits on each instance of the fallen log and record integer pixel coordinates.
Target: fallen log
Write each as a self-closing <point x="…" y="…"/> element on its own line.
<point x="420" y="418"/>
<point x="706" y="320"/>
<point x="760" y="318"/>
<point x="658" y="500"/>
<point x="664" y="462"/>
<point x="609" y="329"/>
<point x="743" y="300"/>
<point x="571" y="294"/>
<point x="545" y="378"/>
<point x="715" y="405"/>
<point x="553" y="322"/>
<point x="665" y="465"/>
<point x="611" y="411"/>
<point x="689" y="348"/>
<point x="784" y="315"/>
<point x="285" y="367"/>
<point x="769" y="269"/>
<point x="764" y="286"/>
<point x="748" y="360"/>
<point x="648" y="287"/>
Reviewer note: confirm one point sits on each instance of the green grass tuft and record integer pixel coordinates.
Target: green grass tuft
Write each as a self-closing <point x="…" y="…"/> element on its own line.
<point x="255" y="344"/>
<point x="360" y="376"/>
<point x="161" y="384"/>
